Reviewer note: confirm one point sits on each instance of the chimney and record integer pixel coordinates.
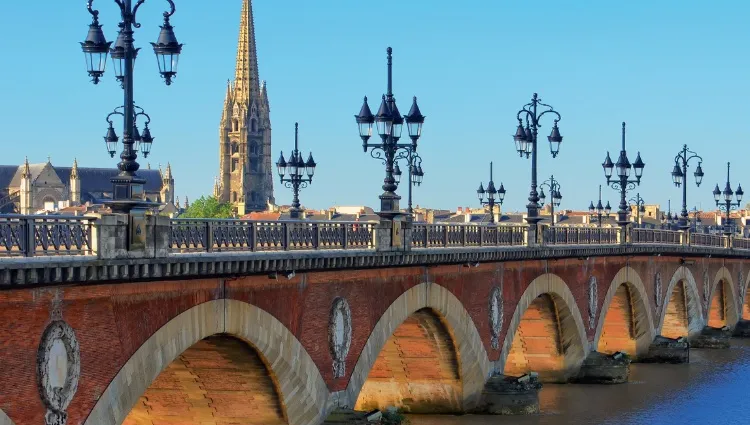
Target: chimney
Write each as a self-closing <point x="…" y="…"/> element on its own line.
<point x="330" y="213"/>
<point x="459" y="210"/>
<point x="467" y="217"/>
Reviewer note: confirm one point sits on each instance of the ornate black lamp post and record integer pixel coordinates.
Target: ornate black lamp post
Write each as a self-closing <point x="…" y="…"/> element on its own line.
<point x="389" y="125"/>
<point x="416" y="174"/>
<point x="554" y="191"/>
<point x="679" y="173"/>
<point x="727" y="204"/>
<point x="299" y="172"/>
<point x="526" y="138"/>
<point x="492" y="193"/>
<point x="599" y="210"/>
<point x="640" y="207"/>
<point x="622" y="182"/>
<point x="128" y="187"/>
<point x="697" y="222"/>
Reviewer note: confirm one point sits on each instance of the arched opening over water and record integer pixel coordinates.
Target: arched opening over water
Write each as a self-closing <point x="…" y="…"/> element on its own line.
<point x="219" y="380"/>
<point x="682" y="312"/>
<point x="626" y="325"/>
<point x="546" y="341"/>
<point x="417" y="370"/>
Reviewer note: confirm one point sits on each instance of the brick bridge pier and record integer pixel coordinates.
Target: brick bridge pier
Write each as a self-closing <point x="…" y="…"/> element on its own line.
<point x="236" y="322"/>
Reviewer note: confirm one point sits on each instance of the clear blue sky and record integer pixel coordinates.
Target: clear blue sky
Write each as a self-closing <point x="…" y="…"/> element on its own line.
<point x="676" y="71"/>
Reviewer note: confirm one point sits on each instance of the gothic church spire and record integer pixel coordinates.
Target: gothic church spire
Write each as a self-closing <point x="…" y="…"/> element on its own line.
<point x="246" y="69"/>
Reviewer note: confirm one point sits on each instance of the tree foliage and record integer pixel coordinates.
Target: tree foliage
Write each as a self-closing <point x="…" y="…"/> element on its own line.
<point x="208" y="207"/>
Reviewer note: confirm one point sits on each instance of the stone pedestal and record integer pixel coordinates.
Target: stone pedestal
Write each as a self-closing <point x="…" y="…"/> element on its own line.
<point x="712" y="338"/>
<point x="742" y="330"/>
<point x="667" y="350"/>
<point x="112" y="235"/>
<point x="509" y="395"/>
<point x="601" y="368"/>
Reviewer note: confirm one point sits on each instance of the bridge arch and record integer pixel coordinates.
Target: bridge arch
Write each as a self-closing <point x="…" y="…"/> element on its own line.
<point x="722" y="303"/>
<point x="681" y="304"/>
<point x="4" y="419"/>
<point x="628" y="289"/>
<point x="473" y="364"/>
<point x="573" y="344"/>
<point x="303" y="391"/>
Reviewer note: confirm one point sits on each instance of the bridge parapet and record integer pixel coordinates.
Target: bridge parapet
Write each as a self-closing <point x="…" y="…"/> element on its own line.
<point x="95" y="249"/>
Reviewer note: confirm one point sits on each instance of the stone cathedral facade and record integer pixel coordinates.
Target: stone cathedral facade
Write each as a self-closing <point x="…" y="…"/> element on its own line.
<point x="245" y="168"/>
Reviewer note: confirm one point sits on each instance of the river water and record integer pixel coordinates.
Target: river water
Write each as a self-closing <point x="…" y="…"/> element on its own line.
<point x="714" y="388"/>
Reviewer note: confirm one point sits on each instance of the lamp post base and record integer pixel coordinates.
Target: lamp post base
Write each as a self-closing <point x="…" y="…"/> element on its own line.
<point x="389" y="206"/>
<point x="128" y="194"/>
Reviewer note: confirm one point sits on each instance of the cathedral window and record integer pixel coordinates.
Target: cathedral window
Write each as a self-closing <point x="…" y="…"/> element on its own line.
<point x="235" y="148"/>
<point x="253" y="125"/>
<point x="234" y="196"/>
<point x="253" y="165"/>
<point x="235" y="164"/>
<point x="254" y="196"/>
<point x="254" y="148"/>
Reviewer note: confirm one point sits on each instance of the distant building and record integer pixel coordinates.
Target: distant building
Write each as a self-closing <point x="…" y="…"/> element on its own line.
<point x="30" y="188"/>
<point x="245" y="169"/>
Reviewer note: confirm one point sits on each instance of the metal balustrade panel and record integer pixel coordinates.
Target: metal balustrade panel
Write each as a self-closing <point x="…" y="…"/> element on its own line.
<point x="27" y="236"/>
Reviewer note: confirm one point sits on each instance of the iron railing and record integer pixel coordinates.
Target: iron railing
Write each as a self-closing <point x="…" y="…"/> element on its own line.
<point x="707" y="239"/>
<point x="655" y="236"/>
<point x="740" y="243"/>
<point x="45" y="235"/>
<point x="55" y="235"/>
<point x="580" y="235"/>
<point x="461" y="235"/>
<point x="209" y="235"/>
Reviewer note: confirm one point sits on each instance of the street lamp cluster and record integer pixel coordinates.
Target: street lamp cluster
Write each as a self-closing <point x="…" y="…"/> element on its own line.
<point x="389" y="125"/>
<point x="640" y="207"/>
<point x="556" y="197"/>
<point x="128" y="187"/>
<point x="679" y="173"/>
<point x="727" y="204"/>
<point x="296" y="173"/>
<point x="599" y="210"/>
<point x="493" y="195"/>
<point x="622" y="181"/>
<point x="526" y="144"/>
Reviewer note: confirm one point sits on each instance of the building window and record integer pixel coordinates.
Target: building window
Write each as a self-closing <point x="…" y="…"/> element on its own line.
<point x="235" y="148"/>
<point x="234" y="196"/>
<point x="235" y="124"/>
<point x="235" y="164"/>
<point x="253" y="165"/>
<point x="253" y="125"/>
<point x="254" y="148"/>
<point x="254" y="197"/>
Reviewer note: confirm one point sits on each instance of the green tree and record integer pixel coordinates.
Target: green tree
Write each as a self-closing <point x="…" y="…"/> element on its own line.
<point x="208" y="207"/>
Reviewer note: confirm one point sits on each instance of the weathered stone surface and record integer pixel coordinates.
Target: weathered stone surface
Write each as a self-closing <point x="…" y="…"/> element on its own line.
<point x="510" y="395"/>
<point x="711" y="337"/>
<point x="667" y="350"/>
<point x="742" y="329"/>
<point x="599" y="368"/>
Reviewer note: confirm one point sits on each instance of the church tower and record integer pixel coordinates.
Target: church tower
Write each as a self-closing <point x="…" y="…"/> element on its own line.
<point x="75" y="185"/>
<point x="26" y="195"/>
<point x="245" y="168"/>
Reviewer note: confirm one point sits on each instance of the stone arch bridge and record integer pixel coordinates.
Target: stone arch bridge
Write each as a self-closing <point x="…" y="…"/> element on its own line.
<point x="191" y="336"/>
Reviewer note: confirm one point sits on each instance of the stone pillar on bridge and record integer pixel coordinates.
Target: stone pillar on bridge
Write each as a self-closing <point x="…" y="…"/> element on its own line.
<point x="393" y="235"/>
<point x="112" y="237"/>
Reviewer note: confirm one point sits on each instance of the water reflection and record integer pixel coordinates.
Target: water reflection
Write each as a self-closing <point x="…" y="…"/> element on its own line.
<point x="712" y="389"/>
